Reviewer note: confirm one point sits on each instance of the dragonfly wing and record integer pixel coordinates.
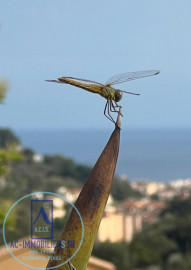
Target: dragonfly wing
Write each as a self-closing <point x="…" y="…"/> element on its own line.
<point x="129" y="76"/>
<point x="127" y="92"/>
<point x="83" y="80"/>
<point x="53" y="81"/>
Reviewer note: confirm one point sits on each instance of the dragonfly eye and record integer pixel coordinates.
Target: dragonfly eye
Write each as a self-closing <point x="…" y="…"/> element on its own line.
<point x="118" y="96"/>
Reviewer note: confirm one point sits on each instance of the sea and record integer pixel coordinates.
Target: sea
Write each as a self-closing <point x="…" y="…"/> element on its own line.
<point x="145" y="154"/>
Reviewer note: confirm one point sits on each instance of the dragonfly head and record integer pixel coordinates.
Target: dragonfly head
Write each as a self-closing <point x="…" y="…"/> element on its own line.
<point x="118" y="95"/>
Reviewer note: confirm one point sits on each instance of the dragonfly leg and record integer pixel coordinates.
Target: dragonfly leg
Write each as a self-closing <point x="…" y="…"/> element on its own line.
<point x="112" y="107"/>
<point x="107" y="111"/>
<point x="105" y="108"/>
<point x="118" y="106"/>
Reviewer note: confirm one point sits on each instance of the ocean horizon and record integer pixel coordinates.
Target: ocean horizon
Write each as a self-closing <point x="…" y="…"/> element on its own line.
<point x="145" y="154"/>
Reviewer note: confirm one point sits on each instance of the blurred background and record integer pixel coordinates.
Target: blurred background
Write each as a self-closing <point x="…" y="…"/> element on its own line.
<point x="52" y="134"/>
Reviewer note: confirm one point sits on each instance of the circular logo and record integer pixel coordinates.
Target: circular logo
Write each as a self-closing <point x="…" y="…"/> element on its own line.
<point x="44" y="215"/>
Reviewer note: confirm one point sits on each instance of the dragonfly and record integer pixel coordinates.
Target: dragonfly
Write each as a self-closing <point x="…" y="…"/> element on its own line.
<point x="107" y="91"/>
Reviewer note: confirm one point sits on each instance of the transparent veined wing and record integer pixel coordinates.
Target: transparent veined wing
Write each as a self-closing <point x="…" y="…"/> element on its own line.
<point x="82" y="80"/>
<point x="53" y="81"/>
<point x="129" y="76"/>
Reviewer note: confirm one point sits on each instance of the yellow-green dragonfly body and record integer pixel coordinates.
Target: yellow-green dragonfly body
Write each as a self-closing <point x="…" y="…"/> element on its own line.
<point x="111" y="94"/>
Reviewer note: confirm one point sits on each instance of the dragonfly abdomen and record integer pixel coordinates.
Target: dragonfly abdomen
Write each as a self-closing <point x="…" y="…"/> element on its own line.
<point x="94" y="88"/>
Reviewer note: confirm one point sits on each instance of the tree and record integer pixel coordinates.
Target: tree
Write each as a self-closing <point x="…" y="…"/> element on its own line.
<point x="4" y="207"/>
<point x="65" y="167"/>
<point x="167" y="241"/>
<point x="121" y="190"/>
<point x="7" y="138"/>
<point x="28" y="154"/>
<point x="177" y="213"/>
<point x="3" y="90"/>
<point x="151" y="247"/>
<point x="6" y="157"/>
<point x="116" y="253"/>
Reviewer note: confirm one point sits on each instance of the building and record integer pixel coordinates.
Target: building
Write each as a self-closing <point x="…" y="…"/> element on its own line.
<point x="119" y="227"/>
<point x="148" y="209"/>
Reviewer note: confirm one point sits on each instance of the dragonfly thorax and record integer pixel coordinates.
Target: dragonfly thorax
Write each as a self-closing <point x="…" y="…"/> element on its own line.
<point x="118" y="96"/>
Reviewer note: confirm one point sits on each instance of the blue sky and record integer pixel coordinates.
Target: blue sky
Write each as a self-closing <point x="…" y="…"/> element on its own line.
<point x="95" y="39"/>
